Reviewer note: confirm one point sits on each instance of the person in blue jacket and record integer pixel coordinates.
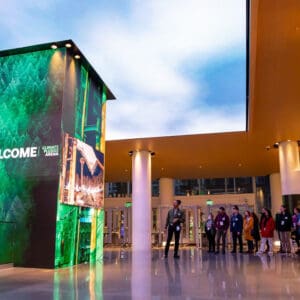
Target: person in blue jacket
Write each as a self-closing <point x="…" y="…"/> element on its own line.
<point x="236" y="228"/>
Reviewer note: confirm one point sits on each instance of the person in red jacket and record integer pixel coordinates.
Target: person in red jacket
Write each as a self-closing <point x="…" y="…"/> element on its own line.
<point x="267" y="227"/>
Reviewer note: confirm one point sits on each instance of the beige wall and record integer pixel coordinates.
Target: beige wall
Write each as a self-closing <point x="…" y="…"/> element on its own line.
<point x="199" y="200"/>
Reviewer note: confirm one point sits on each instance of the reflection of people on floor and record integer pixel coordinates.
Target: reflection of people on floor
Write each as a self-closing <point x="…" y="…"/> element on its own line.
<point x="268" y="262"/>
<point x="211" y="274"/>
<point x="237" y="284"/>
<point x="174" y="279"/>
<point x="221" y="277"/>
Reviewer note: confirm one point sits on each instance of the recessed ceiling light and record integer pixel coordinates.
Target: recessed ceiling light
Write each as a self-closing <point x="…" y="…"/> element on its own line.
<point x="77" y="56"/>
<point x="68" y="45"/>
<point x="54" y="46"/>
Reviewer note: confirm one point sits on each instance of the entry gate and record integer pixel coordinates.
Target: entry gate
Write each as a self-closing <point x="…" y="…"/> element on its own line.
<point x="117" y="230"/>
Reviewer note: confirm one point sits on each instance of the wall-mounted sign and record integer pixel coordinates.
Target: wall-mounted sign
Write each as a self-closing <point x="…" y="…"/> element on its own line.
<point x="209" y="202"/>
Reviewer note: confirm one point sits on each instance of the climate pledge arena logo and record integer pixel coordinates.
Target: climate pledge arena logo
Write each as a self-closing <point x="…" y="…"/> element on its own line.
<point x="29" y="152"/>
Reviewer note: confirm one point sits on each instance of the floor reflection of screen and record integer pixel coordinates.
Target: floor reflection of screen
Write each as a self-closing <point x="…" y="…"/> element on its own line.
<point x="82" y="181"/>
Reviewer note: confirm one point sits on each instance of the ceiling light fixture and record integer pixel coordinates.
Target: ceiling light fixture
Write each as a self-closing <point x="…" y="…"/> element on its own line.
<point x="77" y="56"/>
<point x="54" y="46"/>
<point x="68" y="45"/>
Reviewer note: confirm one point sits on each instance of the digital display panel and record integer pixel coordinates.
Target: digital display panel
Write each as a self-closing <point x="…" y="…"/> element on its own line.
<point x="82" y="181"/>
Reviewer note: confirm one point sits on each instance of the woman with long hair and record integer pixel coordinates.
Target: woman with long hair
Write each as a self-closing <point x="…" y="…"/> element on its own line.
<point x="248" y="227"/>
<point x="255" y="232"/>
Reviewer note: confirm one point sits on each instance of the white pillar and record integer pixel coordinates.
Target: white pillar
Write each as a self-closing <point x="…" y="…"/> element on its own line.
<point x="289" y="167"/>
<point x="276" y="194"/>
<point x="166" y="198"/>
<point x="166" y="191"/>
<point x="141" y="201"/>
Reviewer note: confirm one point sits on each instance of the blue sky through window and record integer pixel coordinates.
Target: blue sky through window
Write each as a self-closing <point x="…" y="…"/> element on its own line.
<point x="176" y="67"/>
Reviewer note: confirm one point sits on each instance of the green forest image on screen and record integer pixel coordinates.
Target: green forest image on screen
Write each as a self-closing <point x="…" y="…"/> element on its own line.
<point x="43" y="95"/>
<point x="79" y="230"/>
<point x="31" y="89"/>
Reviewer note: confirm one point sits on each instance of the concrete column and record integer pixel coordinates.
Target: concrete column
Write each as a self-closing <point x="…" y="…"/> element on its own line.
<point x="166" y="191"/>
<point x="289" y="167"/>
<point x="276" y="194"/>
<point x="141" y="200"/>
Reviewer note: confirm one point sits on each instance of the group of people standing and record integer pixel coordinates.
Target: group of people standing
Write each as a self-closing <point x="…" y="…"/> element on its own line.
<point x="253" y="230"/>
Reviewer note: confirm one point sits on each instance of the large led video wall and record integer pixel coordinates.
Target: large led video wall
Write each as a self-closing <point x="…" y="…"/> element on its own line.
<point x="51" y="159"/>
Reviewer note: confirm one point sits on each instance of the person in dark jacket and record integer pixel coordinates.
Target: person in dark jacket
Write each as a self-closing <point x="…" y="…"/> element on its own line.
<point x="284" y="227"/>
<point x="210" y="231"/>
<point x="277" y="216"/>
<point x="174" y="220"/>
<point x="222" y="225"/>
<point x="236" y="229"/>
<point x="255" y="232"/>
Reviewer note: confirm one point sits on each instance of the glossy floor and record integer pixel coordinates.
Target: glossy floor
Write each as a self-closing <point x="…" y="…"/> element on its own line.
<point x="196" y="275"/>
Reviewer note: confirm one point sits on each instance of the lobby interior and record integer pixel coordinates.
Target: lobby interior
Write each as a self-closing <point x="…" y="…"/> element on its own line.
<point x="269" y="147"/>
